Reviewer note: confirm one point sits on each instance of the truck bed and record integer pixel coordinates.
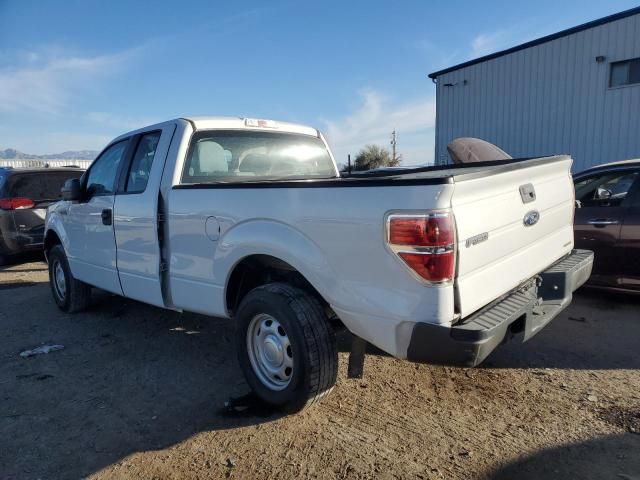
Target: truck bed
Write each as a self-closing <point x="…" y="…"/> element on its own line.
<point x="337" y="239"/>
<point x="431" y="175"/>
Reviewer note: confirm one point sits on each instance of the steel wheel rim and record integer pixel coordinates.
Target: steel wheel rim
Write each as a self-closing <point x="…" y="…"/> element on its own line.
<point x="270" y="352"/>
<point x="59" y="280"/>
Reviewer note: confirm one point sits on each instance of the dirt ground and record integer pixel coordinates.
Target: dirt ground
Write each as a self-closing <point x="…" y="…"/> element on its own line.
<point x="139" y="392"/>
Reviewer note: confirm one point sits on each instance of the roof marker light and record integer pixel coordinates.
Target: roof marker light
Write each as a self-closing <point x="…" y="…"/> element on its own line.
<point x="256" y="122"/>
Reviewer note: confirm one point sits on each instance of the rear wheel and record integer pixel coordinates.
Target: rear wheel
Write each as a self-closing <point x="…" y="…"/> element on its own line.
<point x="286" y="346"/>
<point x="70" y="295"/>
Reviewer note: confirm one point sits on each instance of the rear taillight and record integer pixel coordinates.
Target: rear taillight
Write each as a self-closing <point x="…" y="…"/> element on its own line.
<point x="426" y="244"/>
<point x="16" y="203"/>
<point x="428" y="231"/>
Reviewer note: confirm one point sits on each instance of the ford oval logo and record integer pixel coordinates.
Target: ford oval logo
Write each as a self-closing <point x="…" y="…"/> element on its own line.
<point x="531" y="218"/>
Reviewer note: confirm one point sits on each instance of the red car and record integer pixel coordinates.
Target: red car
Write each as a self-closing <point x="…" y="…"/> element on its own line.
<point x="608" y="223"/>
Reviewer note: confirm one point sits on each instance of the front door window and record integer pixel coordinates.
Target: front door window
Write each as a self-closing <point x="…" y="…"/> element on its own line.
<point x="101" y="177"/>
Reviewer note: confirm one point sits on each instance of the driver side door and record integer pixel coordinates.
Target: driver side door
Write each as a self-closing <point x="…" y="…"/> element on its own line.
<point x="603" y="201"/>
<point x="89" y="222"/>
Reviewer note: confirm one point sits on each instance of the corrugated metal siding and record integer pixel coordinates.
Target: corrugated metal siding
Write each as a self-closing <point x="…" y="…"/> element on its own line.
<point x="548" y="99"/>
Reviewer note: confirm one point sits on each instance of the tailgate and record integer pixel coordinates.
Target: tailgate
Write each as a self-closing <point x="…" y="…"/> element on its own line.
<point x="500" y="241"/>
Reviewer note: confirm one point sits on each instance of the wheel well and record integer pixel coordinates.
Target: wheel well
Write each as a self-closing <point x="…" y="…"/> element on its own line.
<point x="257" y="270"/>
<point x="50" y="239"/>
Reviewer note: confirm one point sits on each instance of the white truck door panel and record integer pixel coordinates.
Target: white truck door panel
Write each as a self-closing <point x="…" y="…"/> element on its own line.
<point x="93" y="257"/>
<point x="135" y="218"/>
<point x="89" y="223"/>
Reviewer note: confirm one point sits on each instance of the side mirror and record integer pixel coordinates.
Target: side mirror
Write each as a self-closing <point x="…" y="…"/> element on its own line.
<point x="72" y="190"/>
<point x="603" y="193"/>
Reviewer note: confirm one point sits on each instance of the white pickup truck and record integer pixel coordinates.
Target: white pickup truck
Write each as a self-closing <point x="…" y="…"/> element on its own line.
<point x="250" y="220"/>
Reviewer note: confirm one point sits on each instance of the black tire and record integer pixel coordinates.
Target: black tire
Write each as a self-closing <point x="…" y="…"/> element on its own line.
<point x="76" y="295"/>
<point x="312" y="340"/>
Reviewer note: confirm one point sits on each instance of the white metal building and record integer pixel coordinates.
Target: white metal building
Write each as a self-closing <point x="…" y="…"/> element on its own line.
<point x="576" y="92"/>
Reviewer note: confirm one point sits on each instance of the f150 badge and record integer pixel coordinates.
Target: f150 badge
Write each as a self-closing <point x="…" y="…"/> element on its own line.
<point x="531" y="218"/>
<point x="476" y="239"/>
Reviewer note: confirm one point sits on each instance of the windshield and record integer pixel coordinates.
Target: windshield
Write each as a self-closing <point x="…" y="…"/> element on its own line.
<point x="236" y="156"/>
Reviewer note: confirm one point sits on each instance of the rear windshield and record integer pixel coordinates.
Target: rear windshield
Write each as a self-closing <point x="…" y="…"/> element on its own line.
<point x="39" y="186"/>
<point x="237" y="156"/>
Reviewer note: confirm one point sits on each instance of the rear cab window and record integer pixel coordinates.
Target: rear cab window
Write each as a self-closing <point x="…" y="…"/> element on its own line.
<point x="140" y="167"/>
<point x="222" y="156"/>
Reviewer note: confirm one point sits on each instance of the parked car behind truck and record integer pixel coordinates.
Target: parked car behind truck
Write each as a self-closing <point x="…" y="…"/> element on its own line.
<point x="250" y="220"/>
<point x="25" y="194"/>
<point x="608" y="222"/>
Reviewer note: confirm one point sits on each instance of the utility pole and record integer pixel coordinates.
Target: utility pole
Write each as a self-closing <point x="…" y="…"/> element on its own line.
<point x="393" y="144"/>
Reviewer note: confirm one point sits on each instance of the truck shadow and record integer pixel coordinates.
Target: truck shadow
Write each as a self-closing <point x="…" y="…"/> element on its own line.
<point x="613" y="456"/>
<point x="131" y="378"/>
<point x="134" y="378"/>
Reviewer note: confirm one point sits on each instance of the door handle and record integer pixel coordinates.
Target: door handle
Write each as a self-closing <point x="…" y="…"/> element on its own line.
<point x="107" y="216"/>
<point x="601" y="222"/>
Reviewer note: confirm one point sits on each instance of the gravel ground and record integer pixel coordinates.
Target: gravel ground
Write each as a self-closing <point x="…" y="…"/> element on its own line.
<point x="139" y="392"/>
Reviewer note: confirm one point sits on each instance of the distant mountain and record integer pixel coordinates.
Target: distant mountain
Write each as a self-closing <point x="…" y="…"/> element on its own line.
<point x="13" y="154"/>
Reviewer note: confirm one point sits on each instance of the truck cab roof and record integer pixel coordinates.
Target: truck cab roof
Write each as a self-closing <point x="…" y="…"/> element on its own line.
<point x="232" y="123"/>
<point x="212" y="123"/>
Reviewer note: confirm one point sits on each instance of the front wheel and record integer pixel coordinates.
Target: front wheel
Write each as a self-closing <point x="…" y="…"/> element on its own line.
<point x="70" y="295"/>
<point x="286" y="346"/>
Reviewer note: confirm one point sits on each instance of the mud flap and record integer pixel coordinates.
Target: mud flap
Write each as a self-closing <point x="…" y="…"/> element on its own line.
<point x="356" y="357"/>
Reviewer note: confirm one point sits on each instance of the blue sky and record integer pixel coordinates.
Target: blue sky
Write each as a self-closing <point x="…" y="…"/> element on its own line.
<point x="74" y="74"/>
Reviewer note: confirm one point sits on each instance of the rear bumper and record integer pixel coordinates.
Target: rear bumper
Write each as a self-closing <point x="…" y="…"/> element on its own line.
<point x="18" y="240"/>
<point x="13" y="244"/>
<point x="523" y="312"/>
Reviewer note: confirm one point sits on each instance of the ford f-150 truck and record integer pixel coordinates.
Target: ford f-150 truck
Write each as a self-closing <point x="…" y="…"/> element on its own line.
<point x="251" y="220"/>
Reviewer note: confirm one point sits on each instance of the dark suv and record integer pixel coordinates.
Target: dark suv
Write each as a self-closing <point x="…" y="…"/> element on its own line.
<point x="25" y="195"/>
